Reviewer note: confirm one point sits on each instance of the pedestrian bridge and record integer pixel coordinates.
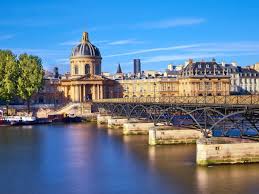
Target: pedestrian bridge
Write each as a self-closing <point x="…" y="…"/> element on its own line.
<point x="221" y="115"/>
<point x="244" y="100"/>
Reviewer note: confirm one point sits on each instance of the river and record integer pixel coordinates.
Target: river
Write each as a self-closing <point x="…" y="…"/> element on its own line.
<point x="90" y="159"/>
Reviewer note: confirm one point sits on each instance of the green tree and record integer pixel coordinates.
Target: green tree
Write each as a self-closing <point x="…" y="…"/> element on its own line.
<point x="8" y="76"/>
<point x="30" y="78"/>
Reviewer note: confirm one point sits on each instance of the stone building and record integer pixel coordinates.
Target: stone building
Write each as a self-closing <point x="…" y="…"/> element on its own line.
<point x="204" y="79"/>
<point x="157" y="87"/>
<point x="50" y="93"/>
<point x="243" y="80"/>
<point x="195" y="79"/>
<point x="85" y="81"/>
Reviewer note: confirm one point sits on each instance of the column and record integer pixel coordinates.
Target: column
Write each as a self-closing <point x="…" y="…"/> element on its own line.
<point x="98" y="92"/>
<point x="66" y="92"/>
<point x="74" y="93"/>
<point x="94" y="92"/>
<point x="78" y="93"/>
<point x="84" y="94"/>
<point x="101" y="91"/>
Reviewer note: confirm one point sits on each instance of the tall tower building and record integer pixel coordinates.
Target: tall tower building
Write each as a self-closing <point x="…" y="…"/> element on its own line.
<point x="56" y="73"/>
<point x="119" y="71"/>
<point x="137" y="66"/>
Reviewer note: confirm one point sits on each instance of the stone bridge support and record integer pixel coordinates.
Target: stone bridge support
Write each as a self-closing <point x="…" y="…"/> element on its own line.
<point x="117" y="122"/>
<point x="137" y="128"/>
<point x="103" y="118"/>
<point x="165" y="135"/>
<point x="223" y="150"/>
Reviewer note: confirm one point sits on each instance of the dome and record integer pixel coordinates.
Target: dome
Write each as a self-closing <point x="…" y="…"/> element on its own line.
<point x="85" y="48"/>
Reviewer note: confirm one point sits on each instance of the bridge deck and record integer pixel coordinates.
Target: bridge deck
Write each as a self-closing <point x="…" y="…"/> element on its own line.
<point x="244" y="100"/>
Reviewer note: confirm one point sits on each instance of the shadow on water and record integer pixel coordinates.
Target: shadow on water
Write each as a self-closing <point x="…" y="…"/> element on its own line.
<point x="85" y="158"/>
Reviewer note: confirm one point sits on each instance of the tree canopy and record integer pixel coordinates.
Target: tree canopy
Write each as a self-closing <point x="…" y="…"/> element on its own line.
<point x="8" y="76"/>
<point x="22" y="77"/>
<point x="30" y="78"/>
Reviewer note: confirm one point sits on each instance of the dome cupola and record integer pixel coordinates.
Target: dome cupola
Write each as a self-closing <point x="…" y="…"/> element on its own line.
<point x="86" y="48"/>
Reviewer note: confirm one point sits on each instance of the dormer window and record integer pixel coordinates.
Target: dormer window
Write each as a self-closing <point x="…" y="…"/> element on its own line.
<point x="207" y="66"/>
<point x="199" y="66"/>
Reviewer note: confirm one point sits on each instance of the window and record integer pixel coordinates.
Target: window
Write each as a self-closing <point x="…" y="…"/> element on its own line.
<point x="200" y="86"/>
<point x="76" y="69"/>
<point x="208" y="86"/>
<point x="87" y="69"/>
<point x="134" y="88"/>
<point x="218" y="86"/>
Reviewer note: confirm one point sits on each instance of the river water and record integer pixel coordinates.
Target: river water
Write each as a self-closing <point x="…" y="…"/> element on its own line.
<point x="87" y="159"/>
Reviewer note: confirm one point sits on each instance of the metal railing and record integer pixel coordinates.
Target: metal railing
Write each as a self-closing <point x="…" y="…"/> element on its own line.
<point x="217" y="100"/>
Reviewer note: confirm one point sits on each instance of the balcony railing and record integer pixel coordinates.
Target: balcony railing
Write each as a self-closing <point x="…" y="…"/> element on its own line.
<point x="217" y="100"/>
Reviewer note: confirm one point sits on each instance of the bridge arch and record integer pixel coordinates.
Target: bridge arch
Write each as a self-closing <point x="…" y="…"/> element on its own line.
<point x="169" y="120"/>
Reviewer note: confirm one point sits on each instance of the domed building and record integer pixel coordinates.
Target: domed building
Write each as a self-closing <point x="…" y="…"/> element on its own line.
<point x="85" y="58"/>
<point x="85" y="81"/>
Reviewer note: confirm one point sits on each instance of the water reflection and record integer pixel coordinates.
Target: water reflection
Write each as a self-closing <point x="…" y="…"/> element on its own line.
<point x="230" y="179"/>
<point x="86" y="158"/>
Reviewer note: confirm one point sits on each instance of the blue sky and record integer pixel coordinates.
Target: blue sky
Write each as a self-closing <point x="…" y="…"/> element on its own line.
<point x="157" y="32"/>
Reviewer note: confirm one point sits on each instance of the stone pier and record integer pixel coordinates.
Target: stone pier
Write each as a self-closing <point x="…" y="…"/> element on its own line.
<point x="137" y="128"/>
<point x="164" y="135"/>
<point x="222" y="150"/>
<point x="103" y="118"/>
<point x="90" y="117"/>
<point x="117" y="122"/>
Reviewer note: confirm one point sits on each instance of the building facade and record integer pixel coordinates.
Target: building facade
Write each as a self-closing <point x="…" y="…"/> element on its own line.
<point x="138" y="88"/>
<point x="195" y="79"/>
<point x="85" y="81"/>
<point x="204" y="79"/>
<point x="243" y="80"/>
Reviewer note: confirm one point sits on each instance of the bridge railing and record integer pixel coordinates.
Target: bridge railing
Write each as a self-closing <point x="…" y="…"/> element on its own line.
<point x="218" y="100"/>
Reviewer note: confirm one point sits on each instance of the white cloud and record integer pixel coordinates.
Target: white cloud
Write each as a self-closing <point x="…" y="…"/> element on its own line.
<point x="74" y="42"/>
<point x="154" y="50"/>
<point x="228" y="47"/>
<point x="29" y="22"/>
<point x="63" y="60"/>
<point x="160" y="24"/>
<point x="172" y="23"/>
<point x="124" y="42"/>
<point x="6" y="37"/>
<point x="69" y="43"/>
<point x="203" y="48"/>
<point x="178" y="57"/>
<point x="103" y="42"/>
<point x="40" y="52"/>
